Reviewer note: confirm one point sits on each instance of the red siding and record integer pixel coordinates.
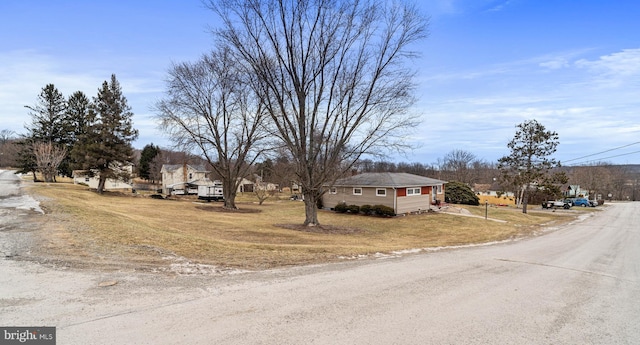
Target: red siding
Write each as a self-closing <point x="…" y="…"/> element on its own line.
<point x="425" y="190"/>
<point x="402" y="192"/>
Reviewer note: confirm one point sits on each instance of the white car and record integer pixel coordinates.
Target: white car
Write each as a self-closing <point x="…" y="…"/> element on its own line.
<point x="557" y="204"/>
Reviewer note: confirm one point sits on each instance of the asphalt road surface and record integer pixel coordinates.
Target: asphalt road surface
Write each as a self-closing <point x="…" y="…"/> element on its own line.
<point x="578" y="284"/>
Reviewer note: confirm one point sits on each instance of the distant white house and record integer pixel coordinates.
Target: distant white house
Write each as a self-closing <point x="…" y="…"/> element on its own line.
<point x="260" y="184"/>
<point x="183" y="178"/>
<point x="248" y="186"/>
<point x="245" y="186"/>
<point x="493" y="190"/>
<point x="574" y="191"/>
<point x="91" y="178"/>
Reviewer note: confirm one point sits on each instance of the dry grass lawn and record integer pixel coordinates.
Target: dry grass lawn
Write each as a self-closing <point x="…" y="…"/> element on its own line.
<point x="136" y="228"/>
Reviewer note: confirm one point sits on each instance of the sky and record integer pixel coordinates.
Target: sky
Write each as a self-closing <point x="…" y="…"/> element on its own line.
<point x="487" y="66"/>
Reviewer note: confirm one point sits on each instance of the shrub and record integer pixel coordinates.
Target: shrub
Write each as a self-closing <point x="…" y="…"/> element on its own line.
<point x="355" y="209"/>
<point x="341" y="208"/>
<point x="460" y="193"/>
<point x="366" y="209"/>
<point x="382" y="210"/>
<point x="377" y="210"/>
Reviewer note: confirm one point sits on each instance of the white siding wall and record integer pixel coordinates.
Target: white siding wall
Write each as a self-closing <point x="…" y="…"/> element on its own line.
<point x="170" y="178"/>
<point x="108" y="185"/>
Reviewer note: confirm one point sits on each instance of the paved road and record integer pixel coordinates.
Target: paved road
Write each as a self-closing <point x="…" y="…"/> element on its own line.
<point x="579" y="284"/>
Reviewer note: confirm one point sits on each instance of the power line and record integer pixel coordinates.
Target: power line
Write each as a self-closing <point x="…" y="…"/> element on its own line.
<point x="620" y="155"/>
<point x="599" y="153"/>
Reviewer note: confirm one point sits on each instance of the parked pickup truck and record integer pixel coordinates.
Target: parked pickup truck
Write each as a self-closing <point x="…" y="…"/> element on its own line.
<point x="566" y="204"/>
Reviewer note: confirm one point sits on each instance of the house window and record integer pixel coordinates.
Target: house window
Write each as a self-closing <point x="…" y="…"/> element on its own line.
<point x="357" y="191"/>
<point x="86" y="179"/>
<point x="413" y="191"/>
<point x="333" y="190"/>
<point x="190" y="176"/>
<point x="381" y="192"/>
<point x="438" y="189"/>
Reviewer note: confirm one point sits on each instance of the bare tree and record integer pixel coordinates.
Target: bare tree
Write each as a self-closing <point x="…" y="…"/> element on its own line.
<point x="261" y="191"/>
<point x="459" y="166"/>
<point x="48" y="158"/>
<point x="210" y="107"/>
<point x="282" y="173"/>
<point x="8" y="148"/>
<point x="6" y="135"/>
<point x="155" y="167"/>
<point x="594" y="178"/>
<point x="333" y="76"/>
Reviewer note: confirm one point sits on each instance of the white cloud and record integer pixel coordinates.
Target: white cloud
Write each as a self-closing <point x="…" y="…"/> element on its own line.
<point x="614" y="70"/>
<point x="457" y="7"/>
<point x="626" y="62"/>
<point x="499" y="7"/>
<point x="557" y="63"/>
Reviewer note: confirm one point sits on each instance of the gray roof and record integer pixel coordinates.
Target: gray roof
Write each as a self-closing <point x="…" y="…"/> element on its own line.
<point x="388" y="179"/>
<point x="174" y="167"/>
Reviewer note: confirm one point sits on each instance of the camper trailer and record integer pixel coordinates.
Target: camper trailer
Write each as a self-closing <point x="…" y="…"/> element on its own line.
<point x="211" y="192"/>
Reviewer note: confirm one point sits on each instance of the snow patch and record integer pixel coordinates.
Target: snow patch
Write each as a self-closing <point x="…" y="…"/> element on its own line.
<point x="181" y="265"/>
<point x="22" y="202"/>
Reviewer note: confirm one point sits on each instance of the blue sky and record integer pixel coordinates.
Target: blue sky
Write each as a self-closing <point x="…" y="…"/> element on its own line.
<point x="487" y="66"/>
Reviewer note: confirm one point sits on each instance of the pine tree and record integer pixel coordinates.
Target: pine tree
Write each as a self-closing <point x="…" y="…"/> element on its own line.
<point x="149" y="152"/>
<point x="529" y="163"/>
<point x="26" y="157"/>
<point x="47" y="126"/>
<point x="79" y="117"/>
<point x="48" y="116"/>
<point x="106" y="145"/>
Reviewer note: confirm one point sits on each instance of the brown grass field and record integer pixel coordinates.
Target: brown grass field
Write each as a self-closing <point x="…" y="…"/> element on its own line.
<point x="117" y="228"/>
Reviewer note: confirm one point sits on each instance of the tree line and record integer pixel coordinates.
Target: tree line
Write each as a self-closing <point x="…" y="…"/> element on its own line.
<point x="613" y="182"/>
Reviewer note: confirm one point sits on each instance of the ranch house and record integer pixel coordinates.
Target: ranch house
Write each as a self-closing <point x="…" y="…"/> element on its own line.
<point x="405" y="193"/>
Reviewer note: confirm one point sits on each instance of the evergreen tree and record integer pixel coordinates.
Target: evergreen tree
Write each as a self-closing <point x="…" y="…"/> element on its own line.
<point x="460" y="193"/>
<point x="265" y="170"/>
<point x="47" y="126"/>
<point x="529" y="166"/>
<point x="26" y="160"/>
<point x="107" y="142"/>
<point x="79" y="117"/>
<point x="48" y="116"/>
<point x="148" y="154"/>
